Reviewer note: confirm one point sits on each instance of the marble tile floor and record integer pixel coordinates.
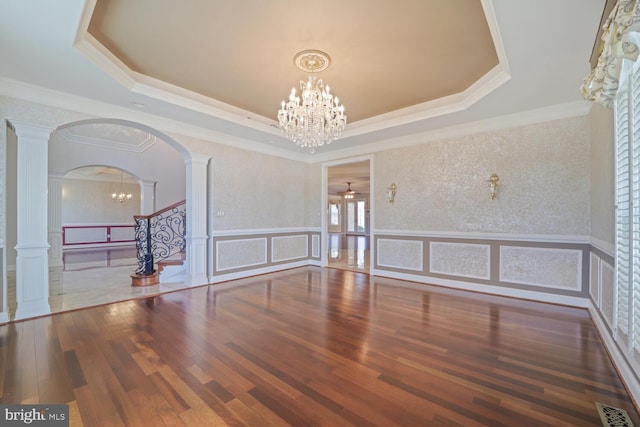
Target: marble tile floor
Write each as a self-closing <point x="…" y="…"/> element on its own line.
<point x="85" y="283"/>
<point x="349" y="252"/>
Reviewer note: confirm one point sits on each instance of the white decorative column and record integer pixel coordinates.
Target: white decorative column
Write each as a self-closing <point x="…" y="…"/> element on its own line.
<point x="32" y="263"/>
<point x="210" y="221"/>
<point x="55" y="219"/>
<point x="196" y="168"/>
<point x="148" y="197"/>
<point x="4" y="308"/>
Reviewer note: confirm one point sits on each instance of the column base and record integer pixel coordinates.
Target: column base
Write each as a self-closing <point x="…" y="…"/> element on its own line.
<point x="31" y="309"/>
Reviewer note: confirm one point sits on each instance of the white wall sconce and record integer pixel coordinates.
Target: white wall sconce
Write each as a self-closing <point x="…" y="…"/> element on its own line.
<point x="493" y="185"/>
<point x="391" y="192"/>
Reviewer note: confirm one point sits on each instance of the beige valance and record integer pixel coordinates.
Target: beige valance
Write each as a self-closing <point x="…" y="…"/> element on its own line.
<point x="618" y="43"/>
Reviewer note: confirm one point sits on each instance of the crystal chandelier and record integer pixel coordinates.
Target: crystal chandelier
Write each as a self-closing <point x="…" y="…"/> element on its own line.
<point x="315" y="117"/>
<point x="121" y="197"/>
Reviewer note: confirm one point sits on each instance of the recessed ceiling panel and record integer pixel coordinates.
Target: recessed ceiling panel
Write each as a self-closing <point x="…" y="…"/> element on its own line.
<point x="384" y="55"/>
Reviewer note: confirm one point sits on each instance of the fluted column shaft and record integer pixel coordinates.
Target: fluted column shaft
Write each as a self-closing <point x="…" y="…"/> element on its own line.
<point x="32" y="264"/>
<point x="196" y="166"/>
<point x="55" y="220"/>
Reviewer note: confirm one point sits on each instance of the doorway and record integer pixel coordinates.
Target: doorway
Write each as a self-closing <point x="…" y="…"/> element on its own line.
<point x="348" y="221"/>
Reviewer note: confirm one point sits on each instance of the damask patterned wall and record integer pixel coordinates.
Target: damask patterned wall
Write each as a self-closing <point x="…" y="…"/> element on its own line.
<point x="442" y="185"/>
<point x="256" y="191"/>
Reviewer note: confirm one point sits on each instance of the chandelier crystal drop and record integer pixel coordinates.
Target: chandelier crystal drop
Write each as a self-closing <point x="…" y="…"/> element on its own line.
<point x="316" y="117"/>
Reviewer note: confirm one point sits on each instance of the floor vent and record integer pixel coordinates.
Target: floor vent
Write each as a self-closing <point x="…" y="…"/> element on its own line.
<point x="613" y="417"/>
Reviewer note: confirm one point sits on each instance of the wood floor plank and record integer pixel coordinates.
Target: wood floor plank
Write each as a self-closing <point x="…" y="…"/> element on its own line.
<point x="75" y="419"/>
<point x="313" y="346"/>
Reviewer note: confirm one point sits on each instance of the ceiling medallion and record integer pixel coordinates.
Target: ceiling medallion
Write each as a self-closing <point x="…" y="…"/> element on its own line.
<point x="315" y="117"/>
<point x="312" y="61"/>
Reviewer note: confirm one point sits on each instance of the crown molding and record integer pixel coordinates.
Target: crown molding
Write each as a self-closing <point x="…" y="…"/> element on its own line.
<point x="145" y="85"/>
<point x="66" y="134"/>
<point x="97" y="109"/>
<point x="166" y="92"/>
<point x="22" y="91"/>
<point x="431" y="109"/>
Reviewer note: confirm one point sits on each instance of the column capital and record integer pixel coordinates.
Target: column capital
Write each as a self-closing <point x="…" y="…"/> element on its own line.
<point x="30" y="130"/>
<point x="194" y="158"/>
<point x="56" y="175"/>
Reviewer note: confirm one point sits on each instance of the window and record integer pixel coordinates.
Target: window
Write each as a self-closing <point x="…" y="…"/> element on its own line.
<point x="357" y="217"/>
<point x="626" y="321"/>
<point x="334" y="214"/>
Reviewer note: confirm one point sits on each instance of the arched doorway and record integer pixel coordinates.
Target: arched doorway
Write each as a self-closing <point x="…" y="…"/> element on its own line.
<point x="96" y="228"/>
<point x="45" y="154"/>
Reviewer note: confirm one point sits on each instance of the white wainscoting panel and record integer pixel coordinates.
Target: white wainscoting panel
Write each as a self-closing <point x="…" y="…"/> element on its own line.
<point x="400" y="253"/>
<point x="460" y="259"/>
<point x="607" y="292"/>
<point x="85" y="235"/>
<point x="285" y="248"/>
<point x="315" y="246"/>
<point x="240" y="253"/>
<point x="546" y="267"/>
<point x="594" y="278"/>
<point x="123" y="233"/>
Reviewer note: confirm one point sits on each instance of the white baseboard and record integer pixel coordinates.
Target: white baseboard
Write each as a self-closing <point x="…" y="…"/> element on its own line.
<point x="488" y="289"/>
<point x="626" y="372"/>
<point x="257" y="271"/>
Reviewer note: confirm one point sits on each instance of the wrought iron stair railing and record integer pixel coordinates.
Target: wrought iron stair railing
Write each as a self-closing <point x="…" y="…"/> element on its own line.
<point x="160" y="236"/>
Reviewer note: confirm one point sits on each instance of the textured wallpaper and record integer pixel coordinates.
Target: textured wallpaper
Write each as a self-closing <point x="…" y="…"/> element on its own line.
<point x="90" y="202"/>
<point x="543" y="188"/>
<point x="602" y="127"/>
<point x="312" y="196"/>
<point x="256" y="191"/>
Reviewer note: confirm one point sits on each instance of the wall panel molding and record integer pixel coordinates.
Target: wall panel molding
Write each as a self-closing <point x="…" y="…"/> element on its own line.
<point x="558" y="267"/>
<point x="546" y="267"/>
<point x="287" y="248"/>
<point x="460" y="259"/>
<point x="400" y="253"/>
<point x="243" y="253"/>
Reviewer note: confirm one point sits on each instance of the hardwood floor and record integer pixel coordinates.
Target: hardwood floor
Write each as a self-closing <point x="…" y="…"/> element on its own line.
<point x="314" y="346"/>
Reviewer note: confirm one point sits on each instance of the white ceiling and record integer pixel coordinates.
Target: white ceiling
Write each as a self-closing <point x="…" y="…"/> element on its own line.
<point x="543" y="46"/>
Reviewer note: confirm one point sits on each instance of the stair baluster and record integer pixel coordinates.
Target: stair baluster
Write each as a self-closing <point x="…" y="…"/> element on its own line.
<point x="160" y="236"/>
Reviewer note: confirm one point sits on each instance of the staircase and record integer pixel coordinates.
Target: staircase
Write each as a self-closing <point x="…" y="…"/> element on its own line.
<point x="172" y="270"/>
<point x="160" y="246"/>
